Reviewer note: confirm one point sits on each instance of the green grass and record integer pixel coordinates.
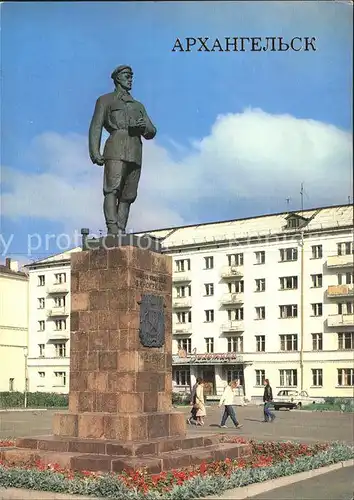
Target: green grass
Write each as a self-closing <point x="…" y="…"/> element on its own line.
<point x="329" y="407"/>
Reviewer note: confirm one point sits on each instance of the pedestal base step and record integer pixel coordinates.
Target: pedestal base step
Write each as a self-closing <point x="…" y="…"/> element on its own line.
<point x="156" y="456"/>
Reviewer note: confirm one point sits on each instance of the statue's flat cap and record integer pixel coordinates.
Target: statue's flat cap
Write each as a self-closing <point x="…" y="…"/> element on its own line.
<point x="119" y="69"/>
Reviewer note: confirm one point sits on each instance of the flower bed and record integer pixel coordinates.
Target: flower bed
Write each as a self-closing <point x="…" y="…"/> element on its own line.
<point x="6" y="443"/>
<point x="269" y="460"/>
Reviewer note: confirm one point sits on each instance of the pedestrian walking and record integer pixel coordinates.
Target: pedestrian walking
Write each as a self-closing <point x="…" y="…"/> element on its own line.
<point x="267" y="400"/>
<point x="199" y="403"/>
<point x="227" y="399"/>
<point x="193" y="418"/>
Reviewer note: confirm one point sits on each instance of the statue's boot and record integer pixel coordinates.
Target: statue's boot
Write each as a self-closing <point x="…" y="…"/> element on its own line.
<point x="123" y="214"/>
<point x="110" y="212"/>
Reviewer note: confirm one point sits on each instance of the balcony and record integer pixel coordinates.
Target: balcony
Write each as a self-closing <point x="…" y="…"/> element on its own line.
<point x="335" y="320"/>
<point x="181" y="277"/>
<point x="229" y="272"/>
<point x="182" y="302"/>
<point x="340" y="260"/>
<point x="58" y="312"/>
<point x="58" y="288"/>
<point x="232" y="326"/>
<point x="58" y="335"/>
<point x="182" y="329"/>
<point x="340" y="291"/>
<point x="232" y="298"/>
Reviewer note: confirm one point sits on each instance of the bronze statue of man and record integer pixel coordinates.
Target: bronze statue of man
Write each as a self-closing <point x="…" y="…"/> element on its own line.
<point x="126" y="120"/>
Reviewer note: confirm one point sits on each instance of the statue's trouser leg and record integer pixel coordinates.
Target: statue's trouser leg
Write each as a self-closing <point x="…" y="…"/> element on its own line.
<point x="129" y="193"/>
<point x="113" y="182"/>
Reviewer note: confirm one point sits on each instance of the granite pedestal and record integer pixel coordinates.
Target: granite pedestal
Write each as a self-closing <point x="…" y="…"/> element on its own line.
<point x="120" y="401"/>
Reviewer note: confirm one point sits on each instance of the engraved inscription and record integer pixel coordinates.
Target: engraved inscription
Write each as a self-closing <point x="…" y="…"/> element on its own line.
<point x="148" y="357"/>
<point x="152" y="321"/>
<point x="150" y="281"/>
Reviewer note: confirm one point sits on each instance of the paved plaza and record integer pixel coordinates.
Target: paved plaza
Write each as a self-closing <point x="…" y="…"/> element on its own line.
<point x="296" y="425"/>
<point x="302" y="426"/>
<point x="337" y="485"/>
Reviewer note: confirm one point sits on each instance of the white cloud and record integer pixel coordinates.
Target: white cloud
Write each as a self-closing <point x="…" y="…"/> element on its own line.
<point x="246" y="156"/>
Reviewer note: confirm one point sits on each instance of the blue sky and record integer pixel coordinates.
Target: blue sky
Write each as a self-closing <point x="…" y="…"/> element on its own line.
<point x="57" y="58"/>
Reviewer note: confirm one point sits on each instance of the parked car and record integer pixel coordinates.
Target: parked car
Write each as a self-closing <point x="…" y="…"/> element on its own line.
<point x="290" y="399"/>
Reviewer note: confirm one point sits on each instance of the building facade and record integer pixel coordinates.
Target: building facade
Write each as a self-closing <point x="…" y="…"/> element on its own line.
<point x="49" y="324"/>
<point x="264" y="297"/>
<point x="13" y="327"/>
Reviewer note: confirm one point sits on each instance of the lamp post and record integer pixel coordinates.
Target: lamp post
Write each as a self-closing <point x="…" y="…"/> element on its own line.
<point x="25" y="352"/>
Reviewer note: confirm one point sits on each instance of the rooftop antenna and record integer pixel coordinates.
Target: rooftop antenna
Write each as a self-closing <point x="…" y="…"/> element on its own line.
<point x="349" y="200"/>
<point x="287" y="202"/>
<point x="302" y="197"/>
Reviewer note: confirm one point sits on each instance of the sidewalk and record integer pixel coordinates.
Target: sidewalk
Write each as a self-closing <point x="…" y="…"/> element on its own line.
<point x="336" y="485"/>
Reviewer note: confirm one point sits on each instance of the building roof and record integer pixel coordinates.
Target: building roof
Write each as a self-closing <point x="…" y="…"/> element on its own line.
<point x="11" y="272"/>
<point x="319" y="219"/>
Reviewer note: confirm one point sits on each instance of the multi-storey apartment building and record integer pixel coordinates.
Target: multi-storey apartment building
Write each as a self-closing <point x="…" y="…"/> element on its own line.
<point x="13" y="327"/>
<point x="269" y="296"/>
<point x="49" y="324"/>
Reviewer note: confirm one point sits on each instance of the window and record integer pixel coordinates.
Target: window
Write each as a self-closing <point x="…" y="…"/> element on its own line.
<point x="41" y="350"/>
<point x="185" y="345"/>
<point x="346" y="341"/>
<point x="208" y="262"/>
<point x="184" y="317"/>
<point x="235" y="375"/>
<point x="288" y="311"/>
<point x="288" y="254"/>
<point x="41" y="280"/>
<point x="260" y="343"/>
<point x="317" y="341"/>
<point x="260" y="312"/>
<point x="235" y="314"/>
<point x="209" y="345"/>
<point x="316" y="309"/>
<point x="60" y="378"/>
<point x="234" y="344"/>
<point x="41" y="325"/>
<point x="209" y="315"/>
<point x="345" y="248"/>
<point x="317" y="251"/>
<point x="236" y="286"/>
<point x="41" y="376"/>
<point x="288" y="283"/>
<point x="41" y="303"/>
<point x="317" y="376"/>
<point x="345" y="376"/>
<point x="345" y="308"/>
<point x="235" y="259"/>
<point x="260" y="285"/>
<point x="260" y="376"/>
<point x="316" y="280"/>
<point x="182" y="265"/>
<point x="288" y="342"/>
<point x="346" y="279"/>
<point x="288" y="378"/>
<point x="209" y="289"/>
<point x="293" y="223"/>
<point x="59" y="301"/>
<point x="60" y="278"/>
<point x="11" y="384"/>
<point x="183" y="377"/>
<point x="60" y="324"/>
<point x="260" y="257"/>
<point x="60" y="350"/>
<point x="183" y="291"/>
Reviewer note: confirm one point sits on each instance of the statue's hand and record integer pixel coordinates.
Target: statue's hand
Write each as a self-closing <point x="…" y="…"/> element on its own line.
<point x="141" y="123"/>
<point x="97" y="160"/>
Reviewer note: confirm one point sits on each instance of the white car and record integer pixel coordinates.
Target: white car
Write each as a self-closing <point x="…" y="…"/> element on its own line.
<point x="291" y="399"/>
